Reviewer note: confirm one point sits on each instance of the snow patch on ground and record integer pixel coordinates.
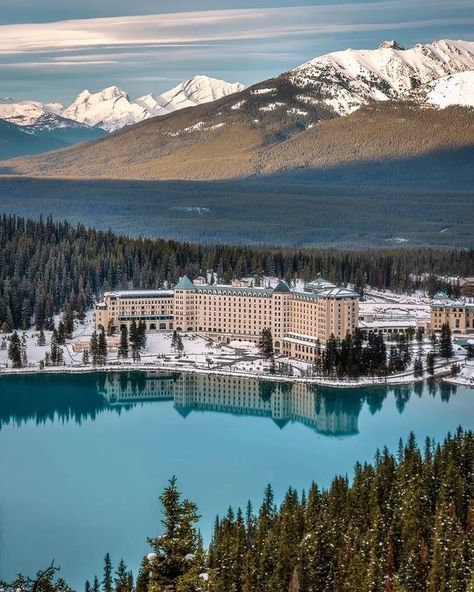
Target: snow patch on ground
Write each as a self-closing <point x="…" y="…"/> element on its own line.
<point x="272" y="106"/>
<point x="263" y="91"/>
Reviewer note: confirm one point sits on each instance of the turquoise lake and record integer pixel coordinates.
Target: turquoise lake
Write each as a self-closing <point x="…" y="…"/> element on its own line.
<point x="83" y="458"/>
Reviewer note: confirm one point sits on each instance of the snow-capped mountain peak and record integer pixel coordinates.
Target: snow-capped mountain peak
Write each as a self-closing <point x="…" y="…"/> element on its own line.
<point x="345" y="80"/>
<point x="112" y="92"/>
<point x="195" y="91"/>
<point x="111" y="108"/>
<point x="34" y="115"/>
<point x="392" y="44"/>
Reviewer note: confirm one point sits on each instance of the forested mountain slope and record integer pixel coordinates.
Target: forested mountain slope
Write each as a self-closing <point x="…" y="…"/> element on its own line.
<point x="216" y="142"/>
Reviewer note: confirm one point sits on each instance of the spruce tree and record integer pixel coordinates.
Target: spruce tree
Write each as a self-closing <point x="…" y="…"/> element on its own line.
<point x="107" y="583"/>
<point x="15" y="351"/>
<point x="122" y="580"/>
<point x="102" y="348"/>
<point x="445" y="342"/>
<point x="123" y="346"/>
<point x="176" y="548"/>
<point x="41" y="338"/>
<point x="430" y="363"/>
<point x="143" y="577"/>
<point x="265" y="343"/>
<point x="94" y="348"/>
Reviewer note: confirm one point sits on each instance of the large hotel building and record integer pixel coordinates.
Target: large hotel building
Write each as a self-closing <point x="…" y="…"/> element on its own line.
<point x="299" y="320"/>
<point x="458" y="314"/>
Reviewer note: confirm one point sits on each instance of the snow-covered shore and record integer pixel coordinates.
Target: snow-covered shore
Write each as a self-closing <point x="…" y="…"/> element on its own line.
<point x="203" y="356"/>
<point x="397" y="379"/>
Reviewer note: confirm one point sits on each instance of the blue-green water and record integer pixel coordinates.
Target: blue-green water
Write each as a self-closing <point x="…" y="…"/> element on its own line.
<point x="83" y="458"/>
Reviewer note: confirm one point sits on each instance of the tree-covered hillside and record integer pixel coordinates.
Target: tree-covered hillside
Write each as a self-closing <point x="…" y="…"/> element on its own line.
<point x="47" y="266"/>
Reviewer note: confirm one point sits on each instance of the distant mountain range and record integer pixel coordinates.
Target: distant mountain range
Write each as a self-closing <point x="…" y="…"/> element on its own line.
<point x="111" y="108"/>
<point x="50" y="126"/>
<point x="283" y="123"/>
<point x="231" y="131"/>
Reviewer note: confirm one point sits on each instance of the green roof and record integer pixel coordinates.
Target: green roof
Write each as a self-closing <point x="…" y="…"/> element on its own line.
<point x="282" y="287"/>
<point x="185" y="284"/>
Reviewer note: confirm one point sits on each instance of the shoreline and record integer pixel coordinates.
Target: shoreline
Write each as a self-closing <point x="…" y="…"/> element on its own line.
<point x="395" y="380"/>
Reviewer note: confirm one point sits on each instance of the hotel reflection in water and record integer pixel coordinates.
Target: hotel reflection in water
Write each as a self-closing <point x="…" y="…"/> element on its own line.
<point x="283" y="402"/>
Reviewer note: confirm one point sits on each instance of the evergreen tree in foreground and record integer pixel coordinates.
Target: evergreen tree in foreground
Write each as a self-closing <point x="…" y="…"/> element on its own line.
<point x="175" y="565"/>
<point x="107" y="583"/>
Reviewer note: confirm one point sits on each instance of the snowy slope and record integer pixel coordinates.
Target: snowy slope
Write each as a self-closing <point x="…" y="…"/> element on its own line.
<point x="111" y="108"/>
<point x="457" y="89"/>
<point x="31" y="113"/>
<point x="35" y="118"/>
<point x="196" y="91"/>
<point x="33" y="128"/>
<point x="345" y="80"/>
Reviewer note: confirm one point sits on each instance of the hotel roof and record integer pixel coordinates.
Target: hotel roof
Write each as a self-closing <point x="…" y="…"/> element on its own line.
<point x="139" y="293"/>
<point x="319" y="284"/>
<point x="185" y="284"/>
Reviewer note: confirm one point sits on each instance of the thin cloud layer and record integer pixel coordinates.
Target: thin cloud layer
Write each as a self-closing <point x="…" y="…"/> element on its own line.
<point x="205" y="27"/>
<point x="244" y="44"/>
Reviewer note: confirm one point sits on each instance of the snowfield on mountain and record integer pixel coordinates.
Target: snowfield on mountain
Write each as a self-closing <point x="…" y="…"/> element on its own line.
<point x="112" y="109"/>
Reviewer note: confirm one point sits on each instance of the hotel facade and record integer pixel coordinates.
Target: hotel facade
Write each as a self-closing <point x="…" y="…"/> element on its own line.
<point x="300" y="321"/>
<point x="458" y="314"/>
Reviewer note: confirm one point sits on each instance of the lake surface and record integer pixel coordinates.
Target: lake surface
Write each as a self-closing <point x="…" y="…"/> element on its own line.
<point x="83" y="458"/>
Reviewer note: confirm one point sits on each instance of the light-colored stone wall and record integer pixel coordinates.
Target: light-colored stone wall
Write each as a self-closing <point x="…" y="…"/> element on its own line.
<point x="226" y="313"/>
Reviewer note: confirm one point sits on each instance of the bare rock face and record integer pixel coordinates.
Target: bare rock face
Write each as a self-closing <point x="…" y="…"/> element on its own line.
<point x="392" y="44"/>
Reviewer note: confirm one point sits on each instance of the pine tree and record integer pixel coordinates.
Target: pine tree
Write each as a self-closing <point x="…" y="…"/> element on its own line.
<point x="24" y="350"/>
<point x="430" y="363"/>
<point x="107" y="584"/>
<point x="56" y="355"/>
<point x="265" y="344"/>
<point x="102" y="348"/>
<point x="122" y="580"/>
<point x="143" y="577"/>
<point x="85" y="357"/>
<point x="123" y="346"/>
<point x="14" y="351"/>
<point x="174" y="340"/>
<point x="445" y="342"/>
<point x="61" y="334"/>
<point x="41" y="338"/>
<point x="179" y="344"/>
<point x="418" y="367"/>
<point x="94" y="348"/>
<point x="176" y="548"/>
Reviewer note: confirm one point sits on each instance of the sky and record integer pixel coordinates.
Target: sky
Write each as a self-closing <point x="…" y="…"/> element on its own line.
<point x="50" y="50"/>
